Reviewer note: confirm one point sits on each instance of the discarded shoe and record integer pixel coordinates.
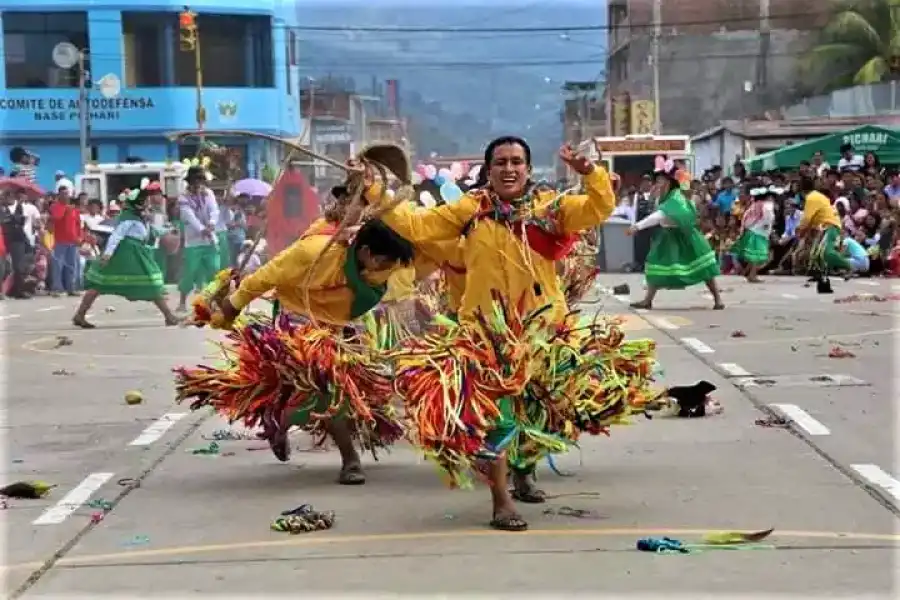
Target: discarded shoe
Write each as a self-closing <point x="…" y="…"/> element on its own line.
<point x="303" y="519"/>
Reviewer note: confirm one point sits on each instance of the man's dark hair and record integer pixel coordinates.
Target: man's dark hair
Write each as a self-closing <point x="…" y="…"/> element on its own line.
<point x="381" y="240"/>
<point x="506" y="140"/>
<point x="807" y="184"/>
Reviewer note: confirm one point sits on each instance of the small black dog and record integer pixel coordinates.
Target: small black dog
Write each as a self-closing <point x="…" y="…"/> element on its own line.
<point x="691" y="399"/>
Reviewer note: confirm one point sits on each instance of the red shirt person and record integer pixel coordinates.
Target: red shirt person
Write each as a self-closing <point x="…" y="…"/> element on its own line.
<point x="66" y="225"/>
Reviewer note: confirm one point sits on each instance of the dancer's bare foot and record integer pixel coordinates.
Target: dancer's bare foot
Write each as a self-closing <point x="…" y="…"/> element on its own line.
<point x="718" y="306"/>
<point x="643" y="304"/>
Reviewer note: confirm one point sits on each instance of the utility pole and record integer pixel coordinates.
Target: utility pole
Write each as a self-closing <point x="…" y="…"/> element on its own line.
<point x="84" y="114"/>
<point x="657" y="33"/>
<point x="189" y="41"/>
<point x="765" y="45"/>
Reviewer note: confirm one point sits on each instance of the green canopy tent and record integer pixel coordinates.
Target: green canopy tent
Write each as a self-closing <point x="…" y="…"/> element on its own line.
<point x="884" y="141"/>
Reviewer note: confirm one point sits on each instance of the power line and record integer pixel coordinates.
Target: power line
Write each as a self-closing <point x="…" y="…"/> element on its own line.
<point x="807" y="15"/>
<point x="556" y="29"/>
<point x="495" y="64"/>
<point x="536" y="63"/>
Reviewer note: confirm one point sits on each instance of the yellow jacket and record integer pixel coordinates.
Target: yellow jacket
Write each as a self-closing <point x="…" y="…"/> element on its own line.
<point x="324" y="295"/>
<point x="818" y="212"/>
<point x="493" y="256"/>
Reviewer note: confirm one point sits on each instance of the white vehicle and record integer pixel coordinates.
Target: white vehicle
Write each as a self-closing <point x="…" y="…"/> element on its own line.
<point x="105" y="181"/>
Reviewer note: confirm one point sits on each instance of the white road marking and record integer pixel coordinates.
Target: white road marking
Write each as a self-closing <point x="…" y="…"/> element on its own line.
<point x="734" y="370"/>
<point x="157" y="429"/>
<point x="790" y="296"/>
<point x="72" y="501"/>
<point x="802" y="419"/>
<point x="745" y="382"/>
<point x="49" y="308"/>
<point x="661" y="323"/>
<point x="697" y="346"/>
<point x="896" y="288"/>
<point x="878" y="477"/>
<point x="624" y="299"/>
<point x="5" y="317"/>
<point x="867" y="282"/>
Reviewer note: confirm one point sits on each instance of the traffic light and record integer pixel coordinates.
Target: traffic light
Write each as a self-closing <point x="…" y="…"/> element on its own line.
<point x="187" y="30"/>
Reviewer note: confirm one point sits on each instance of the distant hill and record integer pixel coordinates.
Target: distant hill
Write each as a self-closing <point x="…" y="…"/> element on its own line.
<point x="450" y="86"/>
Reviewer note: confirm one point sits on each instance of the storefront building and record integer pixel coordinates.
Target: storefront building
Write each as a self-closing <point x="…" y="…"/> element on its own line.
<point x="142" y="80"/>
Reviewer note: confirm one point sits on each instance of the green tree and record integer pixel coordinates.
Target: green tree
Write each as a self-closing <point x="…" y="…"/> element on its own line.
<point x="860" y="45"/>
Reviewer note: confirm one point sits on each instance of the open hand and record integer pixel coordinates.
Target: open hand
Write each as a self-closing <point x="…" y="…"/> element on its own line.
<point x="578" y="163"/>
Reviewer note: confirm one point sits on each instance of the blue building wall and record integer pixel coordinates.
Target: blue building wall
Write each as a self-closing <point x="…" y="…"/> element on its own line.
<point x="134" y="124"/>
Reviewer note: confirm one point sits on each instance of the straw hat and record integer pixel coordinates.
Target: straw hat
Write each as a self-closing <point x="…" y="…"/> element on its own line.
<point x="392" y="157"/>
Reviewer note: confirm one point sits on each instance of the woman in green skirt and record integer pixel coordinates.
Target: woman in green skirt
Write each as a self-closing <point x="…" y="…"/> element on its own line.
<point x="127" y="267"/>
<point x="752" y="248"/>
<point x="679" y="256"/>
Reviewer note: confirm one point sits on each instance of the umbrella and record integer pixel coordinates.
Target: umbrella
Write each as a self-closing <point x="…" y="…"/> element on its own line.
<point x="23" y="185"/>
<point x="251" y="187"/>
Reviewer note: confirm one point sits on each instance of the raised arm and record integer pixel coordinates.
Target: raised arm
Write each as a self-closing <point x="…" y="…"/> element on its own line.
<point x="420" y="225"/>
<point x="586" y="211"/>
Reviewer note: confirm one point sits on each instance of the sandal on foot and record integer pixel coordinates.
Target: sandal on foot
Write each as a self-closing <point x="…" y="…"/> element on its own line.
<point x="352" y="475"/>
<point x="642" y="305"/>
<point x="511" y="522"/>
<point x="83" y="323"/>
<point x="529" y="495"/>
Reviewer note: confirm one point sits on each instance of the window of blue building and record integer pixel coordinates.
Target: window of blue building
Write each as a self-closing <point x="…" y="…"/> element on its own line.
<point x="235" y="51"/>
<point x="28" y="40"/>
<point x="144" y="41"/>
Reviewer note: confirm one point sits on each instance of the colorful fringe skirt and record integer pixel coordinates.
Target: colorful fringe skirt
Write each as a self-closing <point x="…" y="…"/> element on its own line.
<point x="293" y="373"/>
<point x="579" y="272"/>
<point x="512" y="384"/>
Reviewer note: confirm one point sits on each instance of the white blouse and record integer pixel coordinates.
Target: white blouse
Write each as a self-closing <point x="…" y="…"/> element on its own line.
<point x="133" y="229"/>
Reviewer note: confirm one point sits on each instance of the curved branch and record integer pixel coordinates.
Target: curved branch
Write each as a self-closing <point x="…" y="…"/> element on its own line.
<point x="180" y="135"/>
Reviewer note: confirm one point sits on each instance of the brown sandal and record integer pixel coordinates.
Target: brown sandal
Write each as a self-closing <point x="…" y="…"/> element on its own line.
<point x="512" y="522"/>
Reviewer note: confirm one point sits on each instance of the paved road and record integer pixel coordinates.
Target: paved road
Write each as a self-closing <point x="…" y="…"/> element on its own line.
<point x="199" y="523"/>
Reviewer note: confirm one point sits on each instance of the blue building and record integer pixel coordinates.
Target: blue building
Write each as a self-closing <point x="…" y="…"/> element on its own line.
<point x="250" y="79"/>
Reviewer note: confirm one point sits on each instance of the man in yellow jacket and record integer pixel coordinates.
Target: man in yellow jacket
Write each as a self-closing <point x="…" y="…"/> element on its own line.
<point x="512" y="241"/>
<point x="818" y="213"/>
<point x="333" y="283"/>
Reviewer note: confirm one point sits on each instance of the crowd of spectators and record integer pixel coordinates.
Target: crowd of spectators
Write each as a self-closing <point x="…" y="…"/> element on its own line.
<point x="47" y="239"/>
<point x="864" y="192"/>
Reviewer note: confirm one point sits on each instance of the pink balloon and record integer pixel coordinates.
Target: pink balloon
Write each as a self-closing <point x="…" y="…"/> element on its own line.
<point x="421" y="169"/>
<point x="659" y="163"/>
<point x="430" y="172"/>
